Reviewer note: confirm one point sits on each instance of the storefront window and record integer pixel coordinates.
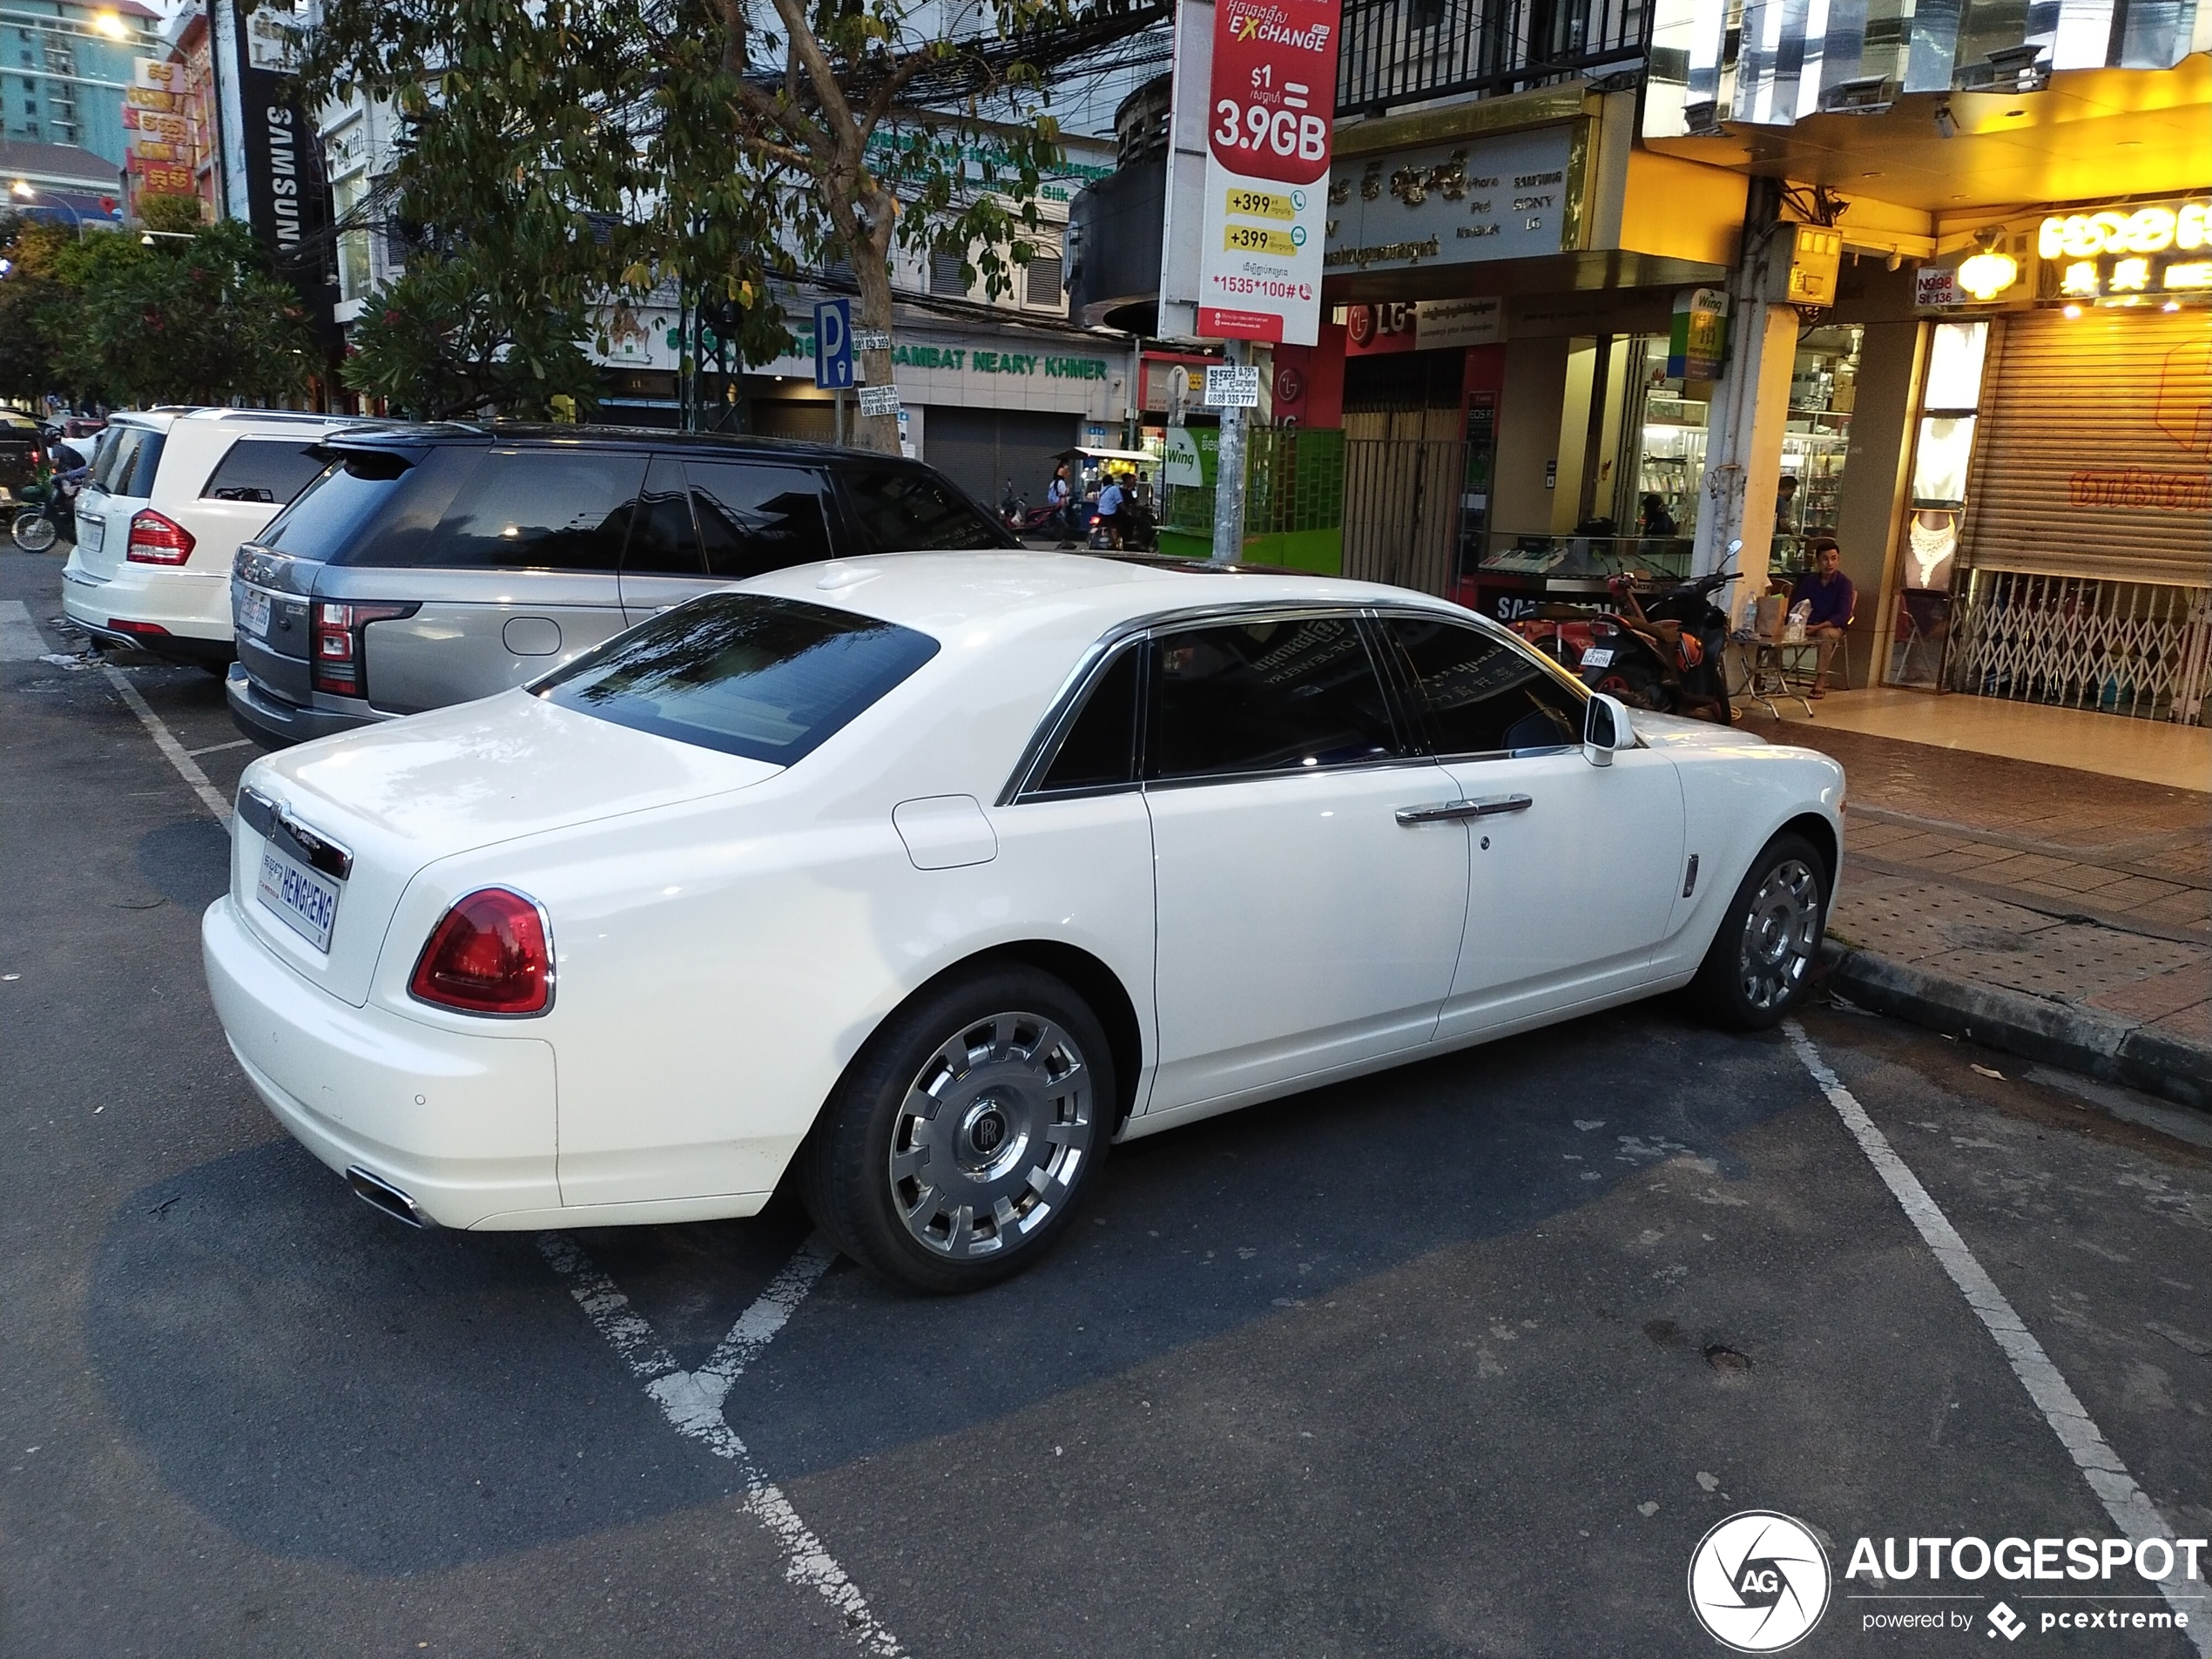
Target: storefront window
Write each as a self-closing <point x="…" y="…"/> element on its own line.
<point x="1824" y="393"/>
<point x="1670" y="463"/>
<point x="355" y="277"/>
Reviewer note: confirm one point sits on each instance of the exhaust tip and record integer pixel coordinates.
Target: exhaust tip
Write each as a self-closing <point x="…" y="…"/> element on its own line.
<point x="381" y="1194"/>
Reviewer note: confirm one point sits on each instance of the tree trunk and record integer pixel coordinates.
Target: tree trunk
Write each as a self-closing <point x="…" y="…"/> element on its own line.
<point x="872" y="268"/>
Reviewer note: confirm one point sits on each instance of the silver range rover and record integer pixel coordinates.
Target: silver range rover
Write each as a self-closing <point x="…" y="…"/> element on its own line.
<point x="431" y="564"/>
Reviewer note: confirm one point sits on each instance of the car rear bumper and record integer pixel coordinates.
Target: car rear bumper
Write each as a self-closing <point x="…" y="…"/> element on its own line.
<point x="273" y="722"/>
<point x="463" y="1125"/>
<point x="192" y="608"/>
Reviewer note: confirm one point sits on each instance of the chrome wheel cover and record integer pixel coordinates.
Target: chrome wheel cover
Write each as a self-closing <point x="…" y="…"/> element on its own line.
<point x="992" y="1135"/>
<point x="1776" y="952"/>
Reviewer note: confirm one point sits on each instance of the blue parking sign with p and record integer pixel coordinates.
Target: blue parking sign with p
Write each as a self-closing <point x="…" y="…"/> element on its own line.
<point x="833" y="345"/>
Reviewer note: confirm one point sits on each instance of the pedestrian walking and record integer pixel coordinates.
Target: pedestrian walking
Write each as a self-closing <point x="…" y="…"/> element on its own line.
<point x="1059" y="495"/>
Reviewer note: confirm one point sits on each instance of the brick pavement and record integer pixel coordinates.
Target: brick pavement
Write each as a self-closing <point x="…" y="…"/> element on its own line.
<point x="2089" y="892"/>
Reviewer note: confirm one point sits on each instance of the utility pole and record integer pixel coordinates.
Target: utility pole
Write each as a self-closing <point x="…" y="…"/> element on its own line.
<point x="1229" y="472"/>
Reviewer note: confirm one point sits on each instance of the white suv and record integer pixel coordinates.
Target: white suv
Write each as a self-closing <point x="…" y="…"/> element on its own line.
<point x="172" y="493"/>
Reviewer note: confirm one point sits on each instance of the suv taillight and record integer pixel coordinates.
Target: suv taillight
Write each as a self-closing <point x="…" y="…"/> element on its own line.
<point x="156" y="539"/>
<point x="491" y="953"/>
<point x="337" y="644"/>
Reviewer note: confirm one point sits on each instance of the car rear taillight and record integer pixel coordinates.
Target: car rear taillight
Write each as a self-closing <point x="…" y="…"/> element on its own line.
<point x="491" y="953"/>
<point x="156" y="539"/>
<point x="336" y="643"/>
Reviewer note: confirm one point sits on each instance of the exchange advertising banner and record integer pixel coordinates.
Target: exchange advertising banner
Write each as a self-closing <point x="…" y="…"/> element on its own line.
<point x="1274" y="94"/>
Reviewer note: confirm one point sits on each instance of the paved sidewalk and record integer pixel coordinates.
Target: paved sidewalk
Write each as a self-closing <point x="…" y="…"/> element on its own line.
<point x="2056" y="912"/>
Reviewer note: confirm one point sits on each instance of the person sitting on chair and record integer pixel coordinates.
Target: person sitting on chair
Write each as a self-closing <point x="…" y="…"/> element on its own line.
<point x="1832" y="599"/>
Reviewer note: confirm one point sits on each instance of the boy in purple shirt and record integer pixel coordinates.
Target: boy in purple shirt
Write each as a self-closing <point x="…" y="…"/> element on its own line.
<point x="1833" y="598"/>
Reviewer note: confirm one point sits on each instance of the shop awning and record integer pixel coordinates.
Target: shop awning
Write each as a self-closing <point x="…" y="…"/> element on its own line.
<point x="1090" y="454"/>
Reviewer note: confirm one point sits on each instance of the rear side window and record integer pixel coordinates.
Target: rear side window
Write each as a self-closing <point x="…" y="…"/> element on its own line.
<point x="904" y="509"/>
<point x="265" y="469"/>
<point x="1265" y="697"/>
<point x="127" y="464"/>
<point x="1100" y="749"/>
<point x="662" y="542"/>
<point x="745" y="673"/>
<point x="754" y="518"/>
<point x="1479" y="695"/>
<point x="541" y="509"/>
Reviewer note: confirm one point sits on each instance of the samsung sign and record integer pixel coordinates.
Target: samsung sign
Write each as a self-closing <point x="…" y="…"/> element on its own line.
<point x="286" y="200"/>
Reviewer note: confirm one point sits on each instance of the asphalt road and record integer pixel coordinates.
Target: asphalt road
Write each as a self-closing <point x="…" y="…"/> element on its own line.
<point x="1461" y="1360"/>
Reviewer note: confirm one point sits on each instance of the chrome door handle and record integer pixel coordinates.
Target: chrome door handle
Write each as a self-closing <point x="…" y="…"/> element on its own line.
<point x="1445" y="810"/>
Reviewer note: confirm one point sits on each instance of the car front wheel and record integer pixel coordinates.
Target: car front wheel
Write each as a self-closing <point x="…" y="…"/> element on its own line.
<point x="1760" y="964"/>
<point x="958" y="1143"/>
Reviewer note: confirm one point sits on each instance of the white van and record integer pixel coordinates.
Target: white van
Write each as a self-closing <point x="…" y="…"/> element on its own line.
<point x="172" y="493"/>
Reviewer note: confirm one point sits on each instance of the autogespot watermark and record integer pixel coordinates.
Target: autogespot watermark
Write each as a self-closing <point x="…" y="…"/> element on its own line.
<point x="1760" y="1580"/>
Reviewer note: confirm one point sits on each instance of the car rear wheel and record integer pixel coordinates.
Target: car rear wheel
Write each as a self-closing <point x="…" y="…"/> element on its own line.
<point x="1760" y="964"/>
<point x="959" y="1142"/>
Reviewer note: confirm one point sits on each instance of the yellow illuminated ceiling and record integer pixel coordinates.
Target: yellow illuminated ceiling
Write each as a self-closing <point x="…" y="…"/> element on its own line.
<point x="2094" y="134"/>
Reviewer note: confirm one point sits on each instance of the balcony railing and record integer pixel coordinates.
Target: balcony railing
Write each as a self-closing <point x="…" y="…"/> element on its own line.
<point x="1403" y="51"/>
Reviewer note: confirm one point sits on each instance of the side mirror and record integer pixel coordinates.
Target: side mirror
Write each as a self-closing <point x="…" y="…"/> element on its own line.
<point x="1606" y="730"/>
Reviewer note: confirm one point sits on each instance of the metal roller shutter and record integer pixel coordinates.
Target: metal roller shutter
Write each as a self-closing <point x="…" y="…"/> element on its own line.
<point x="981" y="450"/>
<point x="2095" y="452"/>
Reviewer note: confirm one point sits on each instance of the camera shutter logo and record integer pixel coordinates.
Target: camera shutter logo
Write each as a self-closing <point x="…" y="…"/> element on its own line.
<point x="1759" y="1583"/>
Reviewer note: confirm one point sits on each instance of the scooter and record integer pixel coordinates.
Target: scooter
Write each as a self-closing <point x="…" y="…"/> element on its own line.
<point x="1663" y="651"/>
<point x="48" y="509"/>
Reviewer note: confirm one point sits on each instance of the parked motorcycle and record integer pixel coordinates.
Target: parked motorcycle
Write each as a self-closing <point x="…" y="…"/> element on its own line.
<point x="48" y="508"/>
<point x="1663" y="651"/>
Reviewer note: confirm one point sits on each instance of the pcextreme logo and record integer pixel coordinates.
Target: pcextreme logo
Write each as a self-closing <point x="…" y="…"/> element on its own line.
<point x="1759" y="1581"/>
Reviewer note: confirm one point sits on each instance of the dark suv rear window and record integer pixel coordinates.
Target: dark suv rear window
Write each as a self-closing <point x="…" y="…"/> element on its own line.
<point x="268" y="470"/>
<point x="905" y="509"/>
<point x="751" y="675"/>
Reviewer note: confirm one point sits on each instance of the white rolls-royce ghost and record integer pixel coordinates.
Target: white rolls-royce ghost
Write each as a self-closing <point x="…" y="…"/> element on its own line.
<point x="938" y="872"/>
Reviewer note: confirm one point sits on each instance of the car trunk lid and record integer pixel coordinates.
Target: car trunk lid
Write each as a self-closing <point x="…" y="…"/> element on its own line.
<point x="383" y="804"/>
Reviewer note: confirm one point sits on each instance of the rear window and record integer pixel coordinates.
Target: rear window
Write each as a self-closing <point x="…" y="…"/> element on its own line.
<point x="335" y="507"/>
<point x="748" y="674"/>
<point x="265" y="469"/>
<point x="127" y="461"/>
<point x="904" y="509"/>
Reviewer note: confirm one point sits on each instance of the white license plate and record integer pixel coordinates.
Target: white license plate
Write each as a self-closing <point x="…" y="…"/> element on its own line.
<point x="1598" y="657"/>
<point x="304" y="902"/>
<point x="253" y="611"/>
<point x="92" y="530"/>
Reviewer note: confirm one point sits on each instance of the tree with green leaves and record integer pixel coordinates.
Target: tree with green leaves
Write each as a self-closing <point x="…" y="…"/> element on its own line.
<point x="587" y="151"/>
<point x="102" y="318"/>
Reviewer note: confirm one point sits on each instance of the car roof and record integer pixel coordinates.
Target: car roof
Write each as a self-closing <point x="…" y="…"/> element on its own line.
<point x="588" y="437"/>
<point x="166" y="417"/>
<point x="1087" y="594"/>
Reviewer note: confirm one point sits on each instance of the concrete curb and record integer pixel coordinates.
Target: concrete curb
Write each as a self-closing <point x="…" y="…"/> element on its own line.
<point x="2084" y="1040"/>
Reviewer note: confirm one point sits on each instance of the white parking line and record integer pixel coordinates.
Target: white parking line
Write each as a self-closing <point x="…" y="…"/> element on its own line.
<point x="693" y="1403"/>
<point x="2130" y="1509"/>
<point x="20" y="640"/>
<point x="165" y="740"/>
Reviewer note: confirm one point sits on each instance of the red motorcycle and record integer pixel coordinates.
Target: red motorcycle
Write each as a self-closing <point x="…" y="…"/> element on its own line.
<point x="1663" y="651"/>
